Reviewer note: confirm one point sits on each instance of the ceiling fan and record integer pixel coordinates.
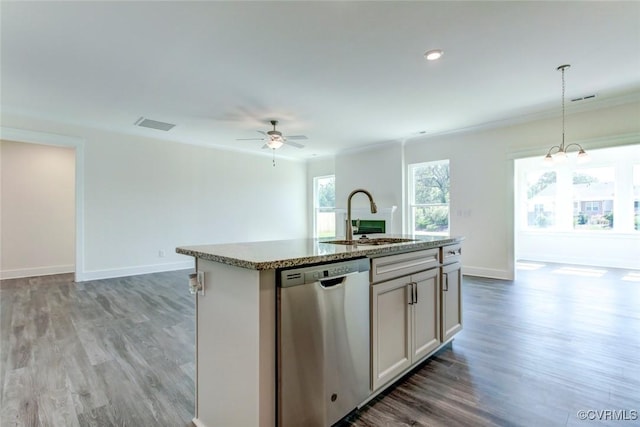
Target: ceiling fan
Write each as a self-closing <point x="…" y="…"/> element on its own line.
<point x="274" y="138"/>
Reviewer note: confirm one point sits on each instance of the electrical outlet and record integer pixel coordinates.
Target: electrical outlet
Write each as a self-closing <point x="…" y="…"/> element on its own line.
<point x="161" y="253"/>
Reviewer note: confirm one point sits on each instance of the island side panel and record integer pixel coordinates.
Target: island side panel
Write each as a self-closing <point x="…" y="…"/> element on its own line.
<point x="268" y="355"/>
<point x="235" y="347"/>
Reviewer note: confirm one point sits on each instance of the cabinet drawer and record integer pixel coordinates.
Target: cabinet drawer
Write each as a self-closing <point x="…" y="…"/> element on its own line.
<point x="388" y="267"/>
<point x="450" y="254"/>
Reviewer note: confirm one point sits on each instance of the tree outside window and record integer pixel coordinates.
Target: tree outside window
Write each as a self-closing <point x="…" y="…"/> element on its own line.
<point x="541" y="199"/>
<point x="429" y="197"/>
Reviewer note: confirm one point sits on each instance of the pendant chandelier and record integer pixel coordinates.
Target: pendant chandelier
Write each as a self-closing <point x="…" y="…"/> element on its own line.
<point x="558" y="153"/>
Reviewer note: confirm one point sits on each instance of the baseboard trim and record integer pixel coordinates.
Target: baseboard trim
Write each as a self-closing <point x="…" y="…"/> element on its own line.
<point x="132" y="271"/>
<point x="196" y="422"/>
<point x="619" y="262"/>
<point x="490" y="273"/>
<point x="36" y="271"/>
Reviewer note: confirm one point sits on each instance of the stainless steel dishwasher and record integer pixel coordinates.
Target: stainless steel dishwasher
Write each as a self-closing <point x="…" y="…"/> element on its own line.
<point x="323" y="342"/>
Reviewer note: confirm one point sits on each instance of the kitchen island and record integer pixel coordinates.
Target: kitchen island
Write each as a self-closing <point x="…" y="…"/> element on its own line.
<point x="236" y="347"/>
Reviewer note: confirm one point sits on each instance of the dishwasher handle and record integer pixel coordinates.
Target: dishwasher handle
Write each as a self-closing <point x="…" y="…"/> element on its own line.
<point x="330" y="283"/>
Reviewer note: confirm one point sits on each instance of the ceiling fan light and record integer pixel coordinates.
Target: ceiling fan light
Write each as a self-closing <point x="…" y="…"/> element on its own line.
<point x="274" y="144"/>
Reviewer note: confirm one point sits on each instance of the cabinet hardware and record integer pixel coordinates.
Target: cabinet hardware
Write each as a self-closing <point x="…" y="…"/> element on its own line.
<point x="415" y="292"/>
<point x="445" y="286"/>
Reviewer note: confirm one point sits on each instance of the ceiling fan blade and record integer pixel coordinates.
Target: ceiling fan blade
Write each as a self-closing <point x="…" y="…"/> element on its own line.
<point x="262" y="132"/>
<point x="250" y="139"/>
<point x="293" y="144"/>
<point x="296" y="137"/>
<point x="266" y="146"/>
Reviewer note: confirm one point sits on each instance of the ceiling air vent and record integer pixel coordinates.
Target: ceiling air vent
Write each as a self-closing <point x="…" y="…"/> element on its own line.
<point x="153" y="124"/>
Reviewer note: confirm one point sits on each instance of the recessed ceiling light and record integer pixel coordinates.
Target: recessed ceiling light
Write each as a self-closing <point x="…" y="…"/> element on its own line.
<point x="434" y="54"/>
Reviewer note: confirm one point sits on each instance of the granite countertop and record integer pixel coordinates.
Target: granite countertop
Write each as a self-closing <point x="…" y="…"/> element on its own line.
<point x="270" y="255"/>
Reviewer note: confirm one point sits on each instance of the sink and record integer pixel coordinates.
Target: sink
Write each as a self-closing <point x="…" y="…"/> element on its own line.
<point x="371" y="241"/>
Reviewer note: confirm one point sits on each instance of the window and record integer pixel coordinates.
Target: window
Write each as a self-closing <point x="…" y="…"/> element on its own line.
<point x="592" y="207"/>
<point x="324" y="204"/>
<point x="593" y="195"/>
<point x="636" y="197"/>
<point x="541" y="199"/>
<point x="429" y="198"/>
<point x="602" y="196"/>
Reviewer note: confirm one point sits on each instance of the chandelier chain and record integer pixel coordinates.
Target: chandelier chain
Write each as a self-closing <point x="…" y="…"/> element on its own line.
<point x="559" y="152"/>
<point x="563" y="90"/>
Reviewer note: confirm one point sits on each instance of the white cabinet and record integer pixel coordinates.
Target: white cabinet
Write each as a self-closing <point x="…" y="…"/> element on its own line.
<point x="451" y="300"/>
<point x="451" y="295"/>
<point x="416" y="306"/>
<point x="390" y="330"/>
<point x="426" y="313"/>
<point x="404" y="264"/>
<point x="405" y="323"/>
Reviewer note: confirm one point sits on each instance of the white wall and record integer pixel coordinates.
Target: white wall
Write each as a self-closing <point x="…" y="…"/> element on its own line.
<point x="143" y="196"/>
<point x="378" y="170"/>
<point x="37" y="203"/>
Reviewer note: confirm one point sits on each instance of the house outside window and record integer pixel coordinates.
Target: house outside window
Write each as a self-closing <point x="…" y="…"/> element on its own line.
<point x="592" y="207"/>
<point x="429" y="198"/>
<point x="594" y="192"/>
<point x="324" y="206"/>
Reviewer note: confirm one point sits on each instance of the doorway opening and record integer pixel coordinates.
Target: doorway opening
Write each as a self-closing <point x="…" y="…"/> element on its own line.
<point x="42" y="200"/>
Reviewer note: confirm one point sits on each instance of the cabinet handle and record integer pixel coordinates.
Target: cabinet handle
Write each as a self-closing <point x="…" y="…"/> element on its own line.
<point x="415" y="292"/>
<point x="445" y="286"/>
<point x="410" y="294"/>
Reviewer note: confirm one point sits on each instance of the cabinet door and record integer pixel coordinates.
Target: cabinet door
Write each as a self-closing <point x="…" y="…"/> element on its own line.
<point x="451" y="300"/>
<point x="390" y="330"/>
<point x="426" y="313"/>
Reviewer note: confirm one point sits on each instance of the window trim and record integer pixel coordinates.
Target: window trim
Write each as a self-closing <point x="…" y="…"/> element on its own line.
<point x="411" y="205"/>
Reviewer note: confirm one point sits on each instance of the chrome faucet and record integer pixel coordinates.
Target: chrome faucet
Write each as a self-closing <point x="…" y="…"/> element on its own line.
<point x="349" y="227"/>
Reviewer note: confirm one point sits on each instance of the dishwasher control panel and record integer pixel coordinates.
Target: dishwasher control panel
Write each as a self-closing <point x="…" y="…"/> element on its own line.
<point x="310" y="274"/>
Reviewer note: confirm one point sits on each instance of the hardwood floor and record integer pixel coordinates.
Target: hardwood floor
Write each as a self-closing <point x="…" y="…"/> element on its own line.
<point x="117" y="352"/>
<point x="533" y="352"/>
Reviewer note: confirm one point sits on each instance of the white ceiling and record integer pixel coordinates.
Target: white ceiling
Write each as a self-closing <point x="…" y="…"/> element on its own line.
<point x="345" y="74"/>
